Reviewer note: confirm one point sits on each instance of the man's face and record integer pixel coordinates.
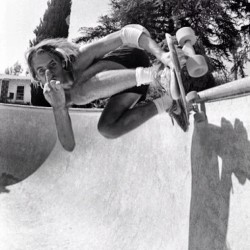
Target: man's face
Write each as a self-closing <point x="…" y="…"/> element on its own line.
<point x="44" y="61"/>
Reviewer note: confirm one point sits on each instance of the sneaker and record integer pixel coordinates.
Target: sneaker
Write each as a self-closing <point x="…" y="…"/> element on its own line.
<point x="162" y="78"/>
<point x="177" y="113"/>
<point x="165" y="78"/>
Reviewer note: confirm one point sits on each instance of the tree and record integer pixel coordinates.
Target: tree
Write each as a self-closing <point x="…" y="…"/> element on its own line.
<point x="54" y="22"/>
<point x="220" y="25"/>
<point x="87" y="34"/>
<point x="240" y="9"/>
<point x="16" y="69"/>
<point x="7" y="71"/>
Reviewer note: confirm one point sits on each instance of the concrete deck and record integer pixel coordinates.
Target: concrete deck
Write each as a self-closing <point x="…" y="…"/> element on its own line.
<point x="156" y="188"/>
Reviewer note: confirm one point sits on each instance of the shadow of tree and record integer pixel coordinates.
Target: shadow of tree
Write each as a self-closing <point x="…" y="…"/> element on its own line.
<point x="210" y="199"/>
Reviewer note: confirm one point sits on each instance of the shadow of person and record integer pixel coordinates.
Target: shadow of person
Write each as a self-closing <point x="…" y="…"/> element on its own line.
<point x="216" y="154"/>
<point x="27" y="137"/>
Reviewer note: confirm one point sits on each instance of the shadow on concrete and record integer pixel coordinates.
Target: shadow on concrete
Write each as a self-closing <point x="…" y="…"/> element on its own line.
<point x="16" y="167"/>
<point x="27" y="138"/>
<point x="217" y="153"/>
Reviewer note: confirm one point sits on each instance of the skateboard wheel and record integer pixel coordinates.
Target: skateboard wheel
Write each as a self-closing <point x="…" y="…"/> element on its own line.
<point x="200" y="117"/>
<point x="192" y="97"/>
<point x="185" y="34"/>
<point x="196" y="66"/>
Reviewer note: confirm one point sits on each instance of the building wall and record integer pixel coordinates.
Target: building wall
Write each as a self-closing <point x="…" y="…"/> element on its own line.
<point x="12" y="91"/>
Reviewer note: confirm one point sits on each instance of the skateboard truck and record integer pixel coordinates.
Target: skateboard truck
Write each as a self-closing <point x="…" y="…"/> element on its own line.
<point x="196" y="67"/>
<point x="192" y="99"/>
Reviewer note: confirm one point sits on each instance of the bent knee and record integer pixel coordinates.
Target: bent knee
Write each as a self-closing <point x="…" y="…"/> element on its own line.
<point x="108" y="131"/>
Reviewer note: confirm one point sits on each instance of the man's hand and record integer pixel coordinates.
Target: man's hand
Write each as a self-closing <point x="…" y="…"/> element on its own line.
<point x="67" y="85"/>
<point x="54" y="92"/>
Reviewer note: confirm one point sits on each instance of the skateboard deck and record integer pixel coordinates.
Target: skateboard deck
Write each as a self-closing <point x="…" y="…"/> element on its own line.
<point x="181" y="101"/>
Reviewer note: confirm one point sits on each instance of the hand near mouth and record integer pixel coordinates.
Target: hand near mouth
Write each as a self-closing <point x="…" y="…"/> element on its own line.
<point x="53" y="92"/>
<point x="67" y="85"/>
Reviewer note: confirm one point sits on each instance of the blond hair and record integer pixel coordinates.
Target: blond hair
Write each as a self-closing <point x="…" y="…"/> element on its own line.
<point x="57" y="47"/>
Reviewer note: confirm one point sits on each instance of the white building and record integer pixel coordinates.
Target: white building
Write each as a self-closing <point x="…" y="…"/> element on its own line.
<point x="15" y="89"/>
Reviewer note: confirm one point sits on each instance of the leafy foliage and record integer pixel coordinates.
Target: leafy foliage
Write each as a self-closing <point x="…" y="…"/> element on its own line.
<point x="54" y="23"/>
<point x="7" y="71"/>
<point x="16" y="69"/>
<point x="223" y="26"/>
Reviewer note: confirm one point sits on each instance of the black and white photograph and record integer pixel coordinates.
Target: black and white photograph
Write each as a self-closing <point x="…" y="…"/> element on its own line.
<point x="124" y="124"/>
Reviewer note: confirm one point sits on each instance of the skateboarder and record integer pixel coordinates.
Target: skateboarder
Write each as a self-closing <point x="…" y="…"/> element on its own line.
<point x="78" y="75"/>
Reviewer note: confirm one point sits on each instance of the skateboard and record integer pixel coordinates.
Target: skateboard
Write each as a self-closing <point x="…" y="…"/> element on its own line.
<point x="196" y="67"/>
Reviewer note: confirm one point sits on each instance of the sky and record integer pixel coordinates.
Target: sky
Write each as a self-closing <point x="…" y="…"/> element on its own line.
<point x="18" y="19"/>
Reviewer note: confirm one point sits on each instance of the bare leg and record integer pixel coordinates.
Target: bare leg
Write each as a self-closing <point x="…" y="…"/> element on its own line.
<point x="118" y="119"/>
<point x="102" y="85"/>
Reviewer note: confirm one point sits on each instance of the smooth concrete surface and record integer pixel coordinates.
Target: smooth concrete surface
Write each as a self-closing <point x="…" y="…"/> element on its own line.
<point x="155" y="188"/>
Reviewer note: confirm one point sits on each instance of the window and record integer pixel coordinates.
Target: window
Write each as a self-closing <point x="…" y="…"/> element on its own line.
<point x="20" y="93"/>
<point x="11" y="96"/>
<point x="4" y="91"/>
